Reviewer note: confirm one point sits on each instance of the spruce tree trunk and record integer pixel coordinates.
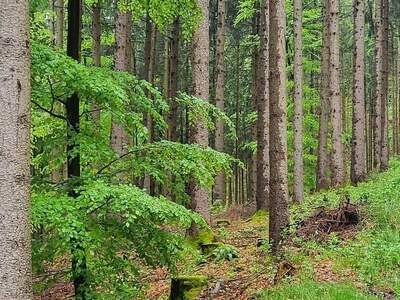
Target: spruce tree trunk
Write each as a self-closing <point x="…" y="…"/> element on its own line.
<point x="119" y="138"/>
<point x="358" y="161"/>
<point x="15" y="226"/>
<point x="200" y="89"/>
<point x="263" y="109"/>
<point x="59" y="23"/>
<point x="173" y="81"/>
<point x="298" y="186"/>
<point x="323" y="156"/>
<point x="377" y="116"/>
<point x="384" y="164"/>
<point x="219" y="189"/>
<point x="279" y="196"/>
<point x="338" y="171"/>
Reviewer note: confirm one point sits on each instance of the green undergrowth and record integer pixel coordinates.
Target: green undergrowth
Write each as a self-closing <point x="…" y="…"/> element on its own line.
<point x="313" y="291"/>
<point x="372" y="257"/>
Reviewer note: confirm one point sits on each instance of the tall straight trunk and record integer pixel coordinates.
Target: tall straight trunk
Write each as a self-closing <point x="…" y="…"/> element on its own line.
<point x="298" y="187"/>
<point x="323" y="156"/>
<point x="119" y="138"/>
<point x="237" y="124"/>
<point x="252" y="173"/>
<point x="173" y="81"/>
<point x="279" y="195"/>
<point x="377" y="125"/>
<point x="219" y="189"/>
<point x="385" y="87"/>
<point x="200" y="89"/>
<point x="395" y="99"/>
<point x="358" y="166"/>
<point x="59" y="23"/>
<point x="338" y="172"/>
<point x="398" y="98"/>
<point x="15" y="228"/>
<point x="79" y="269"/>
<point x="96" y="50"/>
<point x="262" y="195"/>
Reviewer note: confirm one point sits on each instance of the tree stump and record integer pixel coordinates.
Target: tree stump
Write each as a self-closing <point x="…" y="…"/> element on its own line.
<point x="187" y="287"/>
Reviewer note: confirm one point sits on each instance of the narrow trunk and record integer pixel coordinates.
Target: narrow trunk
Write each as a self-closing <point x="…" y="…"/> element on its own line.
<point x="237" y="118"/>
<point x="323" y="156"/>
<point x="298" y="186"/>
<point x="79" y="270"/>
<point x="279" y="213"/>
<point x="219" y="189"/>
<point x="358" y="167"/>
<point x="262" y="195"/>
<point x="377" y="125"/>
<point x="385" y="87"/>
<point x="59" y="23"/>
<point x="15" y="228"/>
<point x="200" y="88"/>
<point x="338" y="172"/>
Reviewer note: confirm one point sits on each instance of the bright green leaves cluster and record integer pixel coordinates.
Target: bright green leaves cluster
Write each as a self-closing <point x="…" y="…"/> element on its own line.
<point x="115" y="224"/>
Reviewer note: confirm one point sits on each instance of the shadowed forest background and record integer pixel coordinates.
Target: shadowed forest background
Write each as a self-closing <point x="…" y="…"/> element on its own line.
<point x="200" y="149"/>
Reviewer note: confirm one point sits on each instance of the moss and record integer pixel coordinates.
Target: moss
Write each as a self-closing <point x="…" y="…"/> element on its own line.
<point x="187" y="287"/>
<point x="205" y="236"/>
<point x="208" y="248"/>
<point x="260" y="217"/>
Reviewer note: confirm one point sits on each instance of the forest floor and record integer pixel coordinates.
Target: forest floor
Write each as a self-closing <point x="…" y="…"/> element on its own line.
<point x="343" y="244"/>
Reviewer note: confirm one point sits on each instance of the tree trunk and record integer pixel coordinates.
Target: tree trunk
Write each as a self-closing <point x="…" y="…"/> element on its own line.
<point x="385" y="87"/>
<point x="323" y="156"/>
<point x="262" y="195"/>
<point x="79" y="269"/>
<point x="338" y="172"/>
<point x="59" y="23"/>
<point x="119" y="138"/>
<point x="15" y="228"/>
<point x="200" y="88"/>
<point x="377" y="125"/>
<point x="219" y="189"/>
<point x="358" y="162"/>
<point x="298" y="186"/>
<point x="279" y="196"/>
<point x="96" y="51"/>
<point x="173" y="81"/>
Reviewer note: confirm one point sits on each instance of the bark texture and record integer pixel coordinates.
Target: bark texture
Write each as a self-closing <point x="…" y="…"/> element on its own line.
<point x="262" y="195"/>
<point x="15" y="227"/>
<point x="298" y="186"/>
<point x="219" y="190"/>
<point x="338" y="172"/>
<point x="200" y="89"/>
<point x="322" y="155"/>
<point x="96" y="50"/>
<point x="279" y="196"/>
<point x="59" y="23"/>
<point x="358" y="149"/>
<point x="377" y="115"/>
<point x="384" y="161"/>
<point x="119" y="138"/>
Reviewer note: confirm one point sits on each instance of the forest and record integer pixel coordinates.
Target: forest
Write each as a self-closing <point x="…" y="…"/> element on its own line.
<point x="199" y="149"/>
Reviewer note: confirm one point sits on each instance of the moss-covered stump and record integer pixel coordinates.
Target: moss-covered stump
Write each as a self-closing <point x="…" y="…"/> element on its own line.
<point x="187" y="287"/>
<point x="204" y="236"/>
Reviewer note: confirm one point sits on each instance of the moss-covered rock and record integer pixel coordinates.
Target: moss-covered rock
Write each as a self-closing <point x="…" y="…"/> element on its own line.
<point x="204" y="236"/>
<point x="187" y="287"/>
<point x="209" y="248"/>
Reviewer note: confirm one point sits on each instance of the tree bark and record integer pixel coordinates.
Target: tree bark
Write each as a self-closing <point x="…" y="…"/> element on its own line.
<point x="279" y="195"/>
<point x="119" y="138"/>
<point x="298" y="186"/>
<point x="384" y="164"/>
<point x="358" y="162"/>
<point x="263" y="109"/>
<point x="15" y="226"/>
<point x="200" y="89"/>
<point x="377" y="116"/>
<point x="59" y="23"/>
<point x="323" y="156"/>
<point x="338" y="172"/>
<point x="219" y="189"/>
